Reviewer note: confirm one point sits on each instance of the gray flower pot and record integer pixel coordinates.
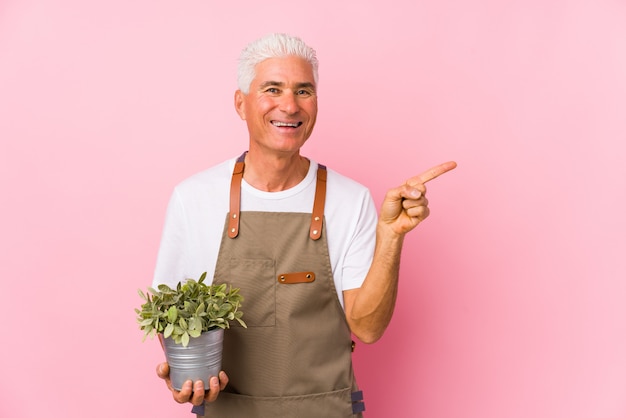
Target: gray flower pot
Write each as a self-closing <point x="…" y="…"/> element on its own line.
<point x="200" y="360"/>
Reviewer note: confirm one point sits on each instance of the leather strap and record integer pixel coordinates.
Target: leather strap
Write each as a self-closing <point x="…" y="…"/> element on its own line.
<point x="299" y="277"/>
<point x="235" y="197"/>
<point x="317" y="217"/>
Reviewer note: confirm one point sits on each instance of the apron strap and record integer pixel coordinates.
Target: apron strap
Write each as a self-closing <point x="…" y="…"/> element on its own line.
<point x="315" y="232"/>
<point x="235" y="197"/>
<point x="317" y="217"/>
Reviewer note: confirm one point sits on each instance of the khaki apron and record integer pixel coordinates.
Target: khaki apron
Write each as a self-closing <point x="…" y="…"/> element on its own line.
<point x="294" y="359"/>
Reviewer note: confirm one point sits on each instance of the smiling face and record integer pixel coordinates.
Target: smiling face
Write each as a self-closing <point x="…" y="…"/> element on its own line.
<point x="281" y="107"/>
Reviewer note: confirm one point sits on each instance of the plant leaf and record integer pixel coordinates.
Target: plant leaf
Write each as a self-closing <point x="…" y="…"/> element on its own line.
<point x="168" y="330"/>
<point x="172" y="314"/>
<point x="146" y="322"/>
<point x="147" y="331"/>
<point x="143" y="295"/>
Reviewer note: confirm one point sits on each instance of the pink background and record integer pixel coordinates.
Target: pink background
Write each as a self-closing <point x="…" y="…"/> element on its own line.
<point x="513" y="295"/>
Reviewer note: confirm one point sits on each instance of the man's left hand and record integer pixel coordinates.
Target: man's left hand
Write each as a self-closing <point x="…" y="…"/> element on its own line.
<point x="406" y="206"/>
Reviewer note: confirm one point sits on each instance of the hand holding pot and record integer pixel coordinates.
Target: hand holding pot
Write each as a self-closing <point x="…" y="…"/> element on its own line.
<point x="193" y="391"/>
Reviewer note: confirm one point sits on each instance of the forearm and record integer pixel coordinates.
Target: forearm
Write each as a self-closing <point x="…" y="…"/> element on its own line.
<point x="369" y="308"/>
<point x="372" y="305"/>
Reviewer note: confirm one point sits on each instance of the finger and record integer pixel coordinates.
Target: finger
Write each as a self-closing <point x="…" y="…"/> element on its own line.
<point x="214" y="389"/>
<point x="223" y="380"/>
<point x="163" y="370"/>
<point x="431" y="173"/>
<point x="412" y="203"/>
<point x="413" y="192"/>
<point x="185" y="392"/>
<point x="197" y="398"/>
<point x="420" y="212"/>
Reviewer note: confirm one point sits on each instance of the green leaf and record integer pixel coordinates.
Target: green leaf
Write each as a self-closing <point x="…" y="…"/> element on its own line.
<point x="168" y="330"/>
<point x="172" y="314"/>
<point x="147" y="330"/>
<point x="146" y="322"/>
<point x="163" y="288"/>
<point x="184" y="339"/>
<point x="195" y="323"/>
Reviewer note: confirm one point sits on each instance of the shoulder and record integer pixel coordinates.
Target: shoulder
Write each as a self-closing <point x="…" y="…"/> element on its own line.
<point x="348" y="200"/>
<point x="339" y="185"/>
<point x="214" y="177"/>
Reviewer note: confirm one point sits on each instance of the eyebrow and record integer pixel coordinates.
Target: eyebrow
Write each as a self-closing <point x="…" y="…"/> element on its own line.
<point x="305" y="84"/>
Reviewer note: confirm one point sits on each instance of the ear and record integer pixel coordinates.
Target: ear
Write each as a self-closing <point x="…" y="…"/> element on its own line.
<point x="239" y="104"/>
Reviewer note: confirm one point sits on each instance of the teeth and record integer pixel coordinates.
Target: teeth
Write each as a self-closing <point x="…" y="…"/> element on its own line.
<point x="292" y="125"/>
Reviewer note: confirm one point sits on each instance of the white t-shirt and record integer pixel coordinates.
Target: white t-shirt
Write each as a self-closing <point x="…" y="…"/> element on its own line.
<point x="197" y="211"/>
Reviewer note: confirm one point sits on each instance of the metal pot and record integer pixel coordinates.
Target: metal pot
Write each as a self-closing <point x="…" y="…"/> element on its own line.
<point x="200" y="360"/>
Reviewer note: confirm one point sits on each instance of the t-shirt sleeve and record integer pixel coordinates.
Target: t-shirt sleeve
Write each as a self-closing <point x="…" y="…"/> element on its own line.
<point x="171" y="259"/>
<point x="360" y="252"/>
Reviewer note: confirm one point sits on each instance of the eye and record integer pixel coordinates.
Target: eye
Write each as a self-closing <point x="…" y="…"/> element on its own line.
<point x="272" y="90"/>
<point x="303" y="92"/>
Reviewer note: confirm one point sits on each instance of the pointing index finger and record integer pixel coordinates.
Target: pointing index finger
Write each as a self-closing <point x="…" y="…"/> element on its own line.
<point x="431" y="173"/>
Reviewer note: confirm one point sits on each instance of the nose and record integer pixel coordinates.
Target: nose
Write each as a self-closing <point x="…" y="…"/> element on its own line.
<point x="289" y="103"/>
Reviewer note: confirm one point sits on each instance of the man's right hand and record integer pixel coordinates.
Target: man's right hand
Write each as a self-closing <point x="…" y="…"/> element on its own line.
<point x="193" y="391"/>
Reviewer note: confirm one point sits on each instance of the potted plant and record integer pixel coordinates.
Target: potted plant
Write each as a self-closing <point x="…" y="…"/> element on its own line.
<point x="190" y="322"/>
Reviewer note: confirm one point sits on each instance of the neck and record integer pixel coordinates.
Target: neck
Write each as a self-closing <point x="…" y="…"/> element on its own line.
<point x="274" y="174"/>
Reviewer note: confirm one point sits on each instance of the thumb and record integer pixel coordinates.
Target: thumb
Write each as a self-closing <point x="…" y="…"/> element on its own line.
<point x="163" y="370"/>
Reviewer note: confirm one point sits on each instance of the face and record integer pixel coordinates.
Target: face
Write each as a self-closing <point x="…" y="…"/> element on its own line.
<point x="281" y="107"/>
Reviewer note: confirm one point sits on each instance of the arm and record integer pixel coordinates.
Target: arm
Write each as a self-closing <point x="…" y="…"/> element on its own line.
<point x="369" y="308"/>
<point x="170" y="268"/>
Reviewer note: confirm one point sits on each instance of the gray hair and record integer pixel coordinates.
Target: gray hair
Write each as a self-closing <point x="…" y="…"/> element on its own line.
<point x="275" y="45"/>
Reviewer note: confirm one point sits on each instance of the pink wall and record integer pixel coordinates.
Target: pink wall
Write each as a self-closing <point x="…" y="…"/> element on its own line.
<point x="512" y="299"/>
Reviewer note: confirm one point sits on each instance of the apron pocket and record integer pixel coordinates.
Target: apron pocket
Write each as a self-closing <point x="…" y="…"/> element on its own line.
<point x="256" y="279"/>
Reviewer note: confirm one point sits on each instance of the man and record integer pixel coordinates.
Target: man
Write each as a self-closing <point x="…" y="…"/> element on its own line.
<point x="314" y="261"/>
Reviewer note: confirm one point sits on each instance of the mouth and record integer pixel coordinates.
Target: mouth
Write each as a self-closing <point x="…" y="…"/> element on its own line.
<point x="280" y="124"/>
